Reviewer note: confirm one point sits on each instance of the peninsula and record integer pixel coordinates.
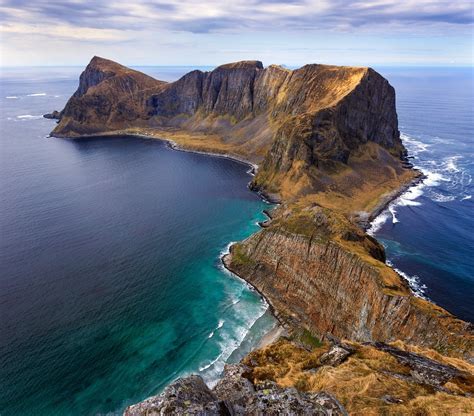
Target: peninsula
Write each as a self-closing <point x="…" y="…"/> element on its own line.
<point x="326" y="146"/>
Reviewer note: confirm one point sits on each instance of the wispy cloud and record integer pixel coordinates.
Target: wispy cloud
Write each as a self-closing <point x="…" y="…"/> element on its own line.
<point x="218" y="16"/>
<point x="202" y="28"/>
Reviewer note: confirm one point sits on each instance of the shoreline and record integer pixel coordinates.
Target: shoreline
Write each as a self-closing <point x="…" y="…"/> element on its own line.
<point x="388" y="199"/>
<point x="281" y="326"/>
<point x="172" y="144"/>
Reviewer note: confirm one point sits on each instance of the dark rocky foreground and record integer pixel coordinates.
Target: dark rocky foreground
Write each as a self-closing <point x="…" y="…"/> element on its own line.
<point x="250" y="389"/>
<point x="236" y="395"/>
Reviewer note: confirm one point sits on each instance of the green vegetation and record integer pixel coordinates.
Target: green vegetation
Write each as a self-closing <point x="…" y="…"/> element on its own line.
<point x="306" y="338"/>
<point x="301" y="224"/>
<point x="309" y="339"/>
<point x="240" y="258"/>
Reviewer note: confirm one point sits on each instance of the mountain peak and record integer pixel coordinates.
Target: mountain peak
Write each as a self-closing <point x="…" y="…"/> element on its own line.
<point x="242" y="65"/>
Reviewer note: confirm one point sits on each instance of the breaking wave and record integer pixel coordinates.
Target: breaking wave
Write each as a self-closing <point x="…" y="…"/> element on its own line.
<point x="416" y="286"/>
<point x="219" y="326"/>
<point x="445" y="181"/>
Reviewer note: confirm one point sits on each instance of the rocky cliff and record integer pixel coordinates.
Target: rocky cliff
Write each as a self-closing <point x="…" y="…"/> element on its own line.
<point x="327" y="144"/>
<point x="322" y="273"/>
<point x="303" y="125"/>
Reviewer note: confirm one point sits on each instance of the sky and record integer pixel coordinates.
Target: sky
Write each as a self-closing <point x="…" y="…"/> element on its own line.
<point x="208" y="32"/>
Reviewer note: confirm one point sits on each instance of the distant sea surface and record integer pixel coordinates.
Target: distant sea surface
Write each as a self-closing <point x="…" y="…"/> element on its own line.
<point x="110" y="280"/>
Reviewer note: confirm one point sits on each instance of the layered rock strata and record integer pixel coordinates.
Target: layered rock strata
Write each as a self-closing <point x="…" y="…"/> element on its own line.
<point x="323" y="273"/>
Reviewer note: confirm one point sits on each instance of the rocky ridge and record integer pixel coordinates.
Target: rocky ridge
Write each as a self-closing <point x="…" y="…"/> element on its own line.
<point x="327" y="144"/>
<point x="322" y="273"/>
<point x="301" y="126"/>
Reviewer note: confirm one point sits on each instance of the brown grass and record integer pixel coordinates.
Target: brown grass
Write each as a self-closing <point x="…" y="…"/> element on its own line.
<point x="362" y="381"/>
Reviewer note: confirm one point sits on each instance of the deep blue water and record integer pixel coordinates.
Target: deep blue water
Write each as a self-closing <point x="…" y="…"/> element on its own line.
<point x="428" y="232"/>
<point x="110" y="282"/>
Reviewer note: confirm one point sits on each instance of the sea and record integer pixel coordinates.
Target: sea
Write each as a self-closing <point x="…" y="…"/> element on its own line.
<point x="111" y="283"/>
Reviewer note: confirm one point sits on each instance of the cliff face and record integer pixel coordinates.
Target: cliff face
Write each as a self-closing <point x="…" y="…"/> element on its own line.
<point x="298" y="122"/>
<point x="313" y="141"/>
<point x="108" y="94"/>
<point x="322" y="273"/>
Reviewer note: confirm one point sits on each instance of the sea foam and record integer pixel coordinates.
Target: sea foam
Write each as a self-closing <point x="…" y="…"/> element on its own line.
<point x="416" y="286"/>
<point x="29" y="117"/>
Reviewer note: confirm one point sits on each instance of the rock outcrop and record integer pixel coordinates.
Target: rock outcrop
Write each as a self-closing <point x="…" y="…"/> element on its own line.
<point x="285" y="379"/>
<point x="374" y="379"/>
<point x="235" y="395"/>
<point x="55" y="115"/>
<point x="321" y="272"/>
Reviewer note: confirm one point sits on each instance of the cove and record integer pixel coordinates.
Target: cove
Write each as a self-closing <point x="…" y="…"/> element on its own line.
<point x="112" y="284"/>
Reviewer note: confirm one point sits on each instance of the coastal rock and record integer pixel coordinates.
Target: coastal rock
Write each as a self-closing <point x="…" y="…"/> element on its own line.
<point x="235" y="395"/>
<point x="322" y="273"/>
<point x="188" y="395"/>
<point x="55" y="115"/>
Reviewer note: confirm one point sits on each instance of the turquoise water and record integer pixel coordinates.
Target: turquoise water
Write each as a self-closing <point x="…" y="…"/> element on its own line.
<point x="111" y="284"/>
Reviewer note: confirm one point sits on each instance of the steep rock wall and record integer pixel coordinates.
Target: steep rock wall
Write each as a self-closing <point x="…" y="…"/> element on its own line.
<point x="322" y="273"/>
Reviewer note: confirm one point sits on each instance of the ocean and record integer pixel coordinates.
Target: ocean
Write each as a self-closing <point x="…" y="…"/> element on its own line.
<point x="111" y="284"/>
<point x="428" y="231"/>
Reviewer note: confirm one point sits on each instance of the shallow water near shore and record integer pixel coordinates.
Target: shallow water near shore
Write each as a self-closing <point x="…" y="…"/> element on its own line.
<point x="111" y="284"/>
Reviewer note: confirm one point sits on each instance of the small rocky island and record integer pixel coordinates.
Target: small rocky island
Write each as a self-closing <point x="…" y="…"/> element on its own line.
<point x="328" y="149"/>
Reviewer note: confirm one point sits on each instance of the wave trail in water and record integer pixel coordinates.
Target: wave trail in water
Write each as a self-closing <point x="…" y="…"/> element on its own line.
<point x="29" y="117"/>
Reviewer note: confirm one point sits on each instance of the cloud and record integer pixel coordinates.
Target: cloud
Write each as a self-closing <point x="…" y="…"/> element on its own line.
<point x="65" y="32"/>
<point x="353" y="32"/>
<point x="213" y="16"/>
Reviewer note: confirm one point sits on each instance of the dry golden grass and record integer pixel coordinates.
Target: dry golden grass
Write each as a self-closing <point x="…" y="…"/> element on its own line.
<point x="362" y="381"/>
